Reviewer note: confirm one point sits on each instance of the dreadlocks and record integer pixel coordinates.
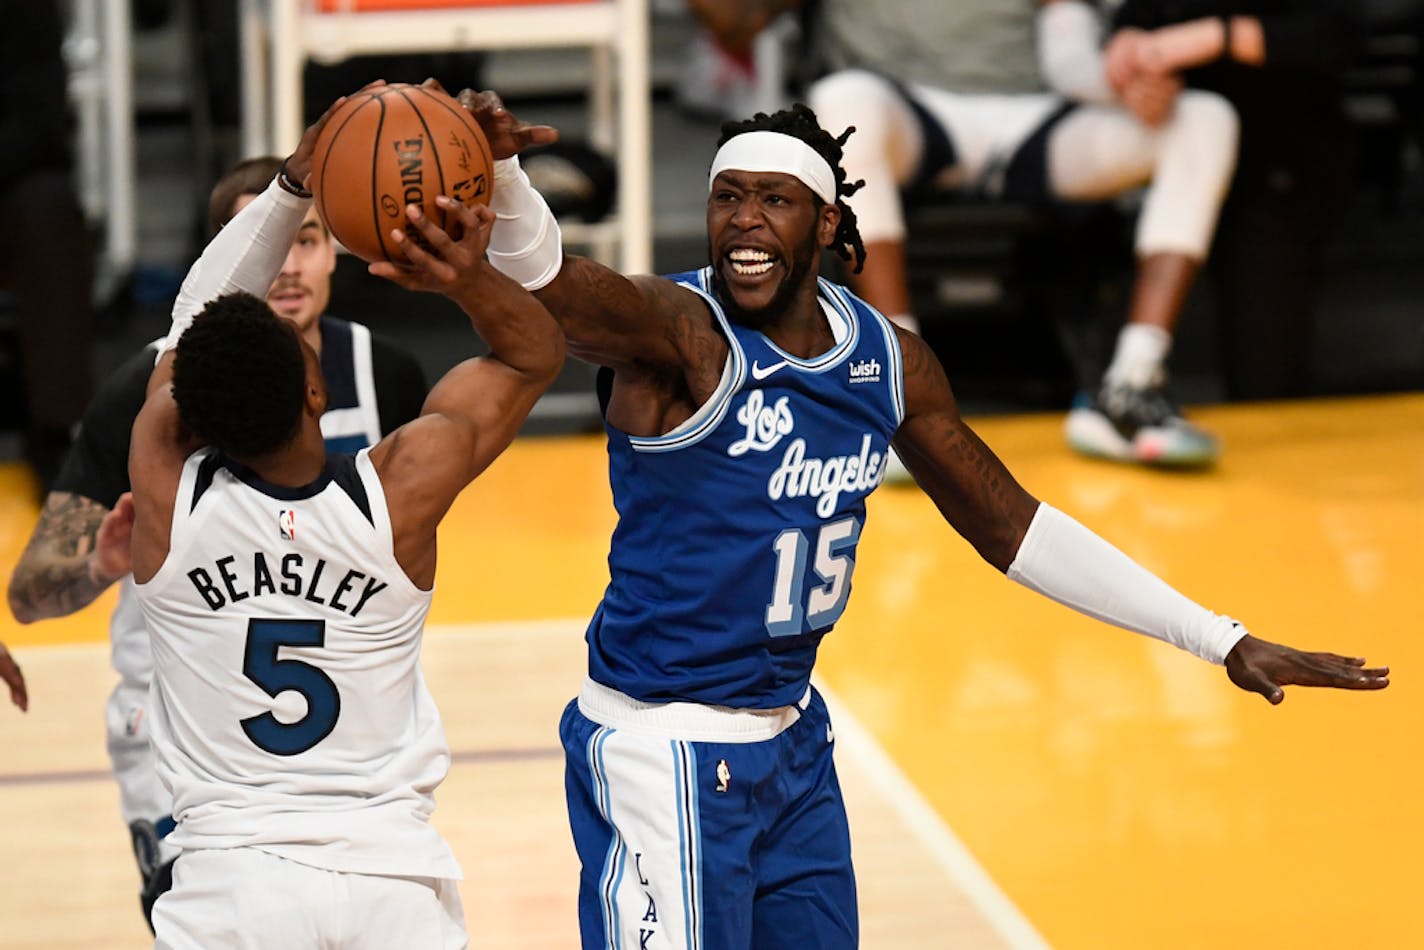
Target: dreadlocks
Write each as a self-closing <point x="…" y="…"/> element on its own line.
<point x="800" y="122"/>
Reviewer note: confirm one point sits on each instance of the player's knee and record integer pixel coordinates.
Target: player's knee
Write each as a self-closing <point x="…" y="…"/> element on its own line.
<point x="852" y="97"/>
<point x="1209" y="119"/>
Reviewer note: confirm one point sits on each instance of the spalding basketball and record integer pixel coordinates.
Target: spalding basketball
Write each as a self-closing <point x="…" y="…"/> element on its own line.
<point x="389" y="147"/>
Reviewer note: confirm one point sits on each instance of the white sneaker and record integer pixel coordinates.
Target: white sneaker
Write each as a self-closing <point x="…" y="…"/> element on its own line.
<point x="1138" y="425"/>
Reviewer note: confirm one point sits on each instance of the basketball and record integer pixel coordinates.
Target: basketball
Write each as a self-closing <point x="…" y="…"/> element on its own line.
<point x="389" y="147"/>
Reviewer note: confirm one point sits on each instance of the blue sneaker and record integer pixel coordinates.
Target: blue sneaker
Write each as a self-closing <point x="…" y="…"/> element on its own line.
<point x="1137" y="425"/>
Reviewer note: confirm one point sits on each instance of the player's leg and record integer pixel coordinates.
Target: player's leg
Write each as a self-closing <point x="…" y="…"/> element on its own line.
<point x="388" y="912"/>
<point x="143" y="801"/>
<point x="806" y="886"/>
<point x="886" y="151"/>
<point x="245" y="899"/>
<point x="1096" y="153"/>
<point x="665" y="830"/>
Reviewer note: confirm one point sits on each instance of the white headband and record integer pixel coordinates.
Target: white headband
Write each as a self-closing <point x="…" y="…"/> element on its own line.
<point x="776" y="152"/>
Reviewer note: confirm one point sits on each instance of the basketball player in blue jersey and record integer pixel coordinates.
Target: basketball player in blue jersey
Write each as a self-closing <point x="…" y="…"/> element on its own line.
<point x="749" y="409"/>
<point x="285" y="588"/>
<point x="80" y="544"/>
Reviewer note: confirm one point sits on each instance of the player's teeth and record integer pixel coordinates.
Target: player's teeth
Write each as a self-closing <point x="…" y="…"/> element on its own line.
<point x="751" y="270"/>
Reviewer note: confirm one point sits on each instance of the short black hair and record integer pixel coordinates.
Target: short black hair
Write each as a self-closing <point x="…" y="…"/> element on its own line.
<point x="800" y="122"/>
<point x="239" y="377"/>
<point x="250" y="176"/>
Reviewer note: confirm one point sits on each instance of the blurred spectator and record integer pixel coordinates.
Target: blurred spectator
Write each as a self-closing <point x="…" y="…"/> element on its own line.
<point x="46" y="261"/>
<point x="1280" y="63"/>
<point x="1011" y="100"/>
<point x="732" y="66"/>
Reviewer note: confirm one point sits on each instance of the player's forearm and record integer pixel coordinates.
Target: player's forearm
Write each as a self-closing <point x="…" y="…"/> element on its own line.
<point x="1195" y="43"/>
<point x="517" y="328"/>
<point x="1063" y="560"/>
<point x="246" y="255"/>
<point x="57" y="574"/>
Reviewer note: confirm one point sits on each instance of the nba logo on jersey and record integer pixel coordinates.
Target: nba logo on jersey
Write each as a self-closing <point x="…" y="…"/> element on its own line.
<point x="287" y="524"/>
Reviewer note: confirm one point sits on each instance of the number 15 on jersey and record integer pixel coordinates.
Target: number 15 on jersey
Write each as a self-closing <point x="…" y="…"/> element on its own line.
<point x="793" y="609"/>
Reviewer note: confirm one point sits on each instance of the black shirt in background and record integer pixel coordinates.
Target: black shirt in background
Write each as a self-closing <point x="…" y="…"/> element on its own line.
<point x="97" y="466"/>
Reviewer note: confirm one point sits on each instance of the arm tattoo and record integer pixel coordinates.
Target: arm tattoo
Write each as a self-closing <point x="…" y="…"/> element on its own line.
<point x="52" y="577"/>
<point x="971" y="486"/>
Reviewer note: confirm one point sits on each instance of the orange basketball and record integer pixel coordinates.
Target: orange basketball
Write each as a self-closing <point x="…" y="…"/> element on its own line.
<point x="389" y="147"/>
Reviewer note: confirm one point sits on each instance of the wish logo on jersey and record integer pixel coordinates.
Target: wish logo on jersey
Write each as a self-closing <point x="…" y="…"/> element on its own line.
<point x="865" y="371"/>
<point x="800" y="475"/>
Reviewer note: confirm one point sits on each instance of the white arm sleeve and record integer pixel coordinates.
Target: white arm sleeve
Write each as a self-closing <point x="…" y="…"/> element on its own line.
<point x="1070" y="56"/>
<point x="1063" y="560"/>
<point x="247" y="254"/>
<point x="526" y="243"/>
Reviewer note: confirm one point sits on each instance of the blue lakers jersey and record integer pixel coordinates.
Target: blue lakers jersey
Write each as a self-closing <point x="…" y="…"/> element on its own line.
<point x="735" y="545"/>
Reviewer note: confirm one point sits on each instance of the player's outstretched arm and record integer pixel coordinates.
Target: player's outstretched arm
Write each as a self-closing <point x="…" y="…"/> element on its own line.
<point x="477" y="408"/>
<point x="608" y="318"/>
<point x="1049" y="552"/>
<point x="972" y="488"/>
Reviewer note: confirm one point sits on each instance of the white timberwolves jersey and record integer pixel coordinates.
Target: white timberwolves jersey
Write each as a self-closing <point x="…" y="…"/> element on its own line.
<point x="288" y="708"/>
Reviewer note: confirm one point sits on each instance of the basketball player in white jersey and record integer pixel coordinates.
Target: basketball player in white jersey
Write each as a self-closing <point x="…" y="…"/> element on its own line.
<point x="286" y="588"/>
<point x="80" y="544"/>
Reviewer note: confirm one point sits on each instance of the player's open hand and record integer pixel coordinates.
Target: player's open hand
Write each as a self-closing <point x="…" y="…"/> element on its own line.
<point x="112" y="557"/>
<point x="1151" y="97"/>
<point x="299" y="164"/>
<point x="10" y="673"/>
<point x="506" y="134"/>
<point x="1259" y="666"/>
<point x="441" y="261"/>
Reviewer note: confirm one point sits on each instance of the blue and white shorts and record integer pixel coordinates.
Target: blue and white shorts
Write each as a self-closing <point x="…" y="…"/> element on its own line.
<point x="707" y="828"/>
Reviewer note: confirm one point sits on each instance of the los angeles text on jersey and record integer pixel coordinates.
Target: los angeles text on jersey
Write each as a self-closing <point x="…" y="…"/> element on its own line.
<point x="823" y="478"/>
<point x="228" y="581"/>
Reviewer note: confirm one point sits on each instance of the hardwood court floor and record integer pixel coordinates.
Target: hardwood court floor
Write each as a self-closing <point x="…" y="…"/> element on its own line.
<point x="1112" y="791"/>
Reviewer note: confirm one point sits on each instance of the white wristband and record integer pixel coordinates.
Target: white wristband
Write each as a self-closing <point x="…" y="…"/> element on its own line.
<point x="1063" y="560"/>
<point x="526" y="243"/>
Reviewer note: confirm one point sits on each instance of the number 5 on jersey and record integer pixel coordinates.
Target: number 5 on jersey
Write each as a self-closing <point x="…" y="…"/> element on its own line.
<point x="785" y="615"/>
<point x="260" y="664"/>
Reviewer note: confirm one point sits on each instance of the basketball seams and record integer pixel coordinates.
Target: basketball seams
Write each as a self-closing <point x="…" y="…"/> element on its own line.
<point x="375" y="177"/>
<point x="434" y="151"/>
<point x="331" y="136"/>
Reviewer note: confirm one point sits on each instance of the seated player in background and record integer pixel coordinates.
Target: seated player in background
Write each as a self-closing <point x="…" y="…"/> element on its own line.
<point x="1281" y="64"/>
<point x="1010" y="100"/>
<point x="749" y="408"/>
<point x="80" y="544"/>
<point x="285" y="588"/>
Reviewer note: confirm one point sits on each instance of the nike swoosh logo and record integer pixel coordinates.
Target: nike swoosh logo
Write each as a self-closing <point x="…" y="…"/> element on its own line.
<point x="762" y="372"/>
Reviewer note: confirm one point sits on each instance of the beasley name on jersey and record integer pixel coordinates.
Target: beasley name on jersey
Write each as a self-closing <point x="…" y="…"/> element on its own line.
<point x="736" y="541"/>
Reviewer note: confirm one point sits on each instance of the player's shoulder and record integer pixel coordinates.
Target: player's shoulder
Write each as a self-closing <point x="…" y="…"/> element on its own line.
<point x="690" y="293"/>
